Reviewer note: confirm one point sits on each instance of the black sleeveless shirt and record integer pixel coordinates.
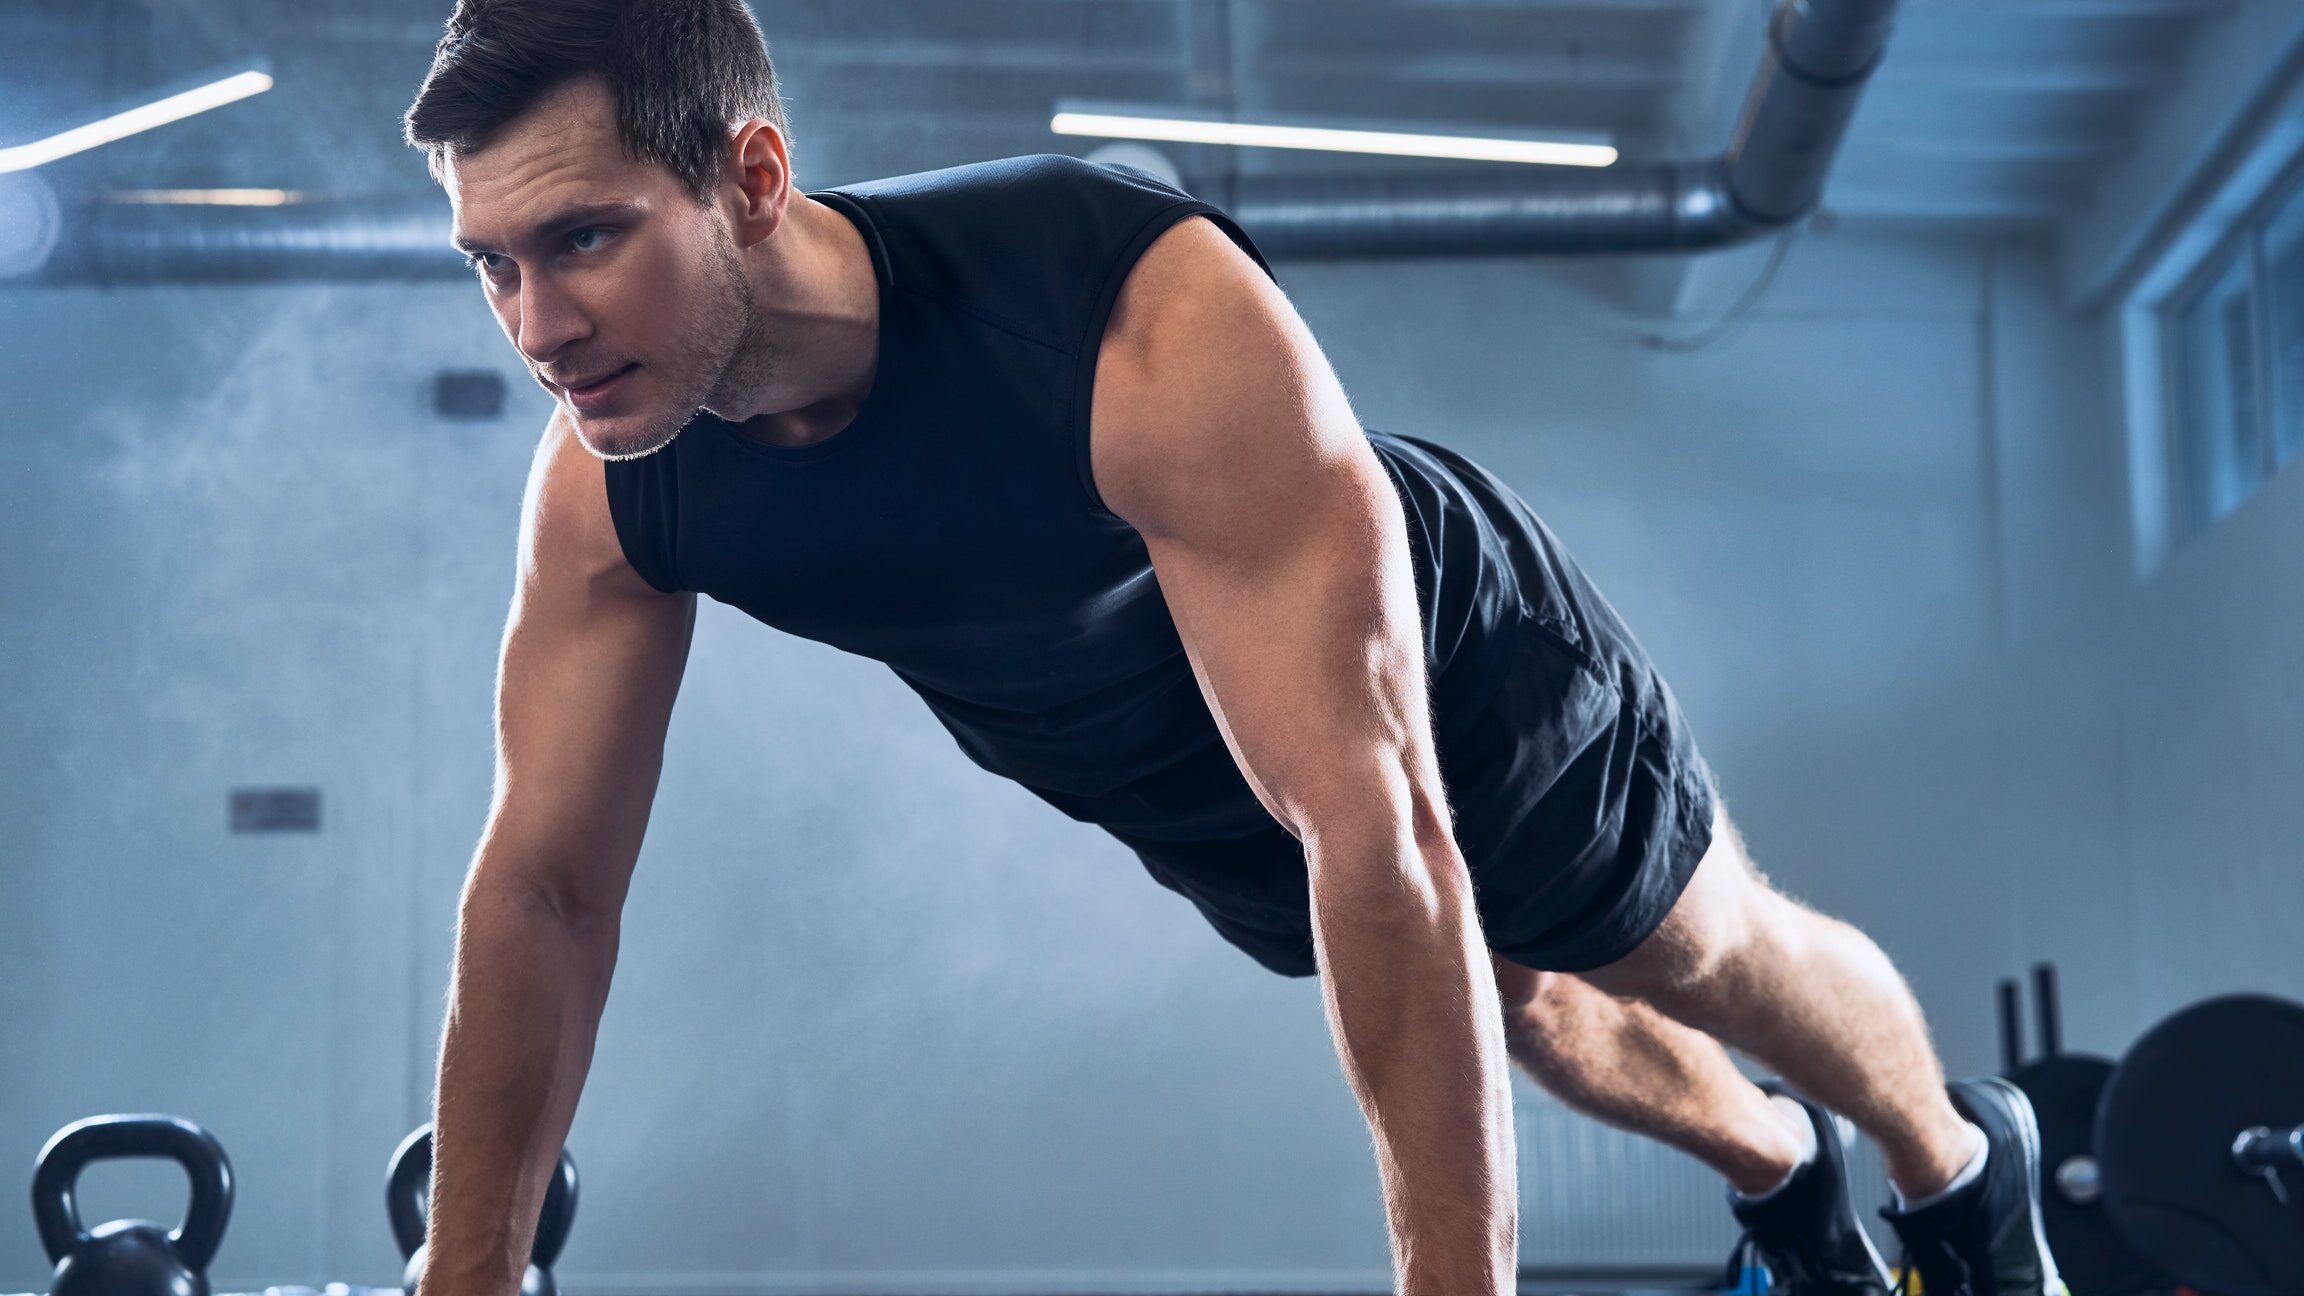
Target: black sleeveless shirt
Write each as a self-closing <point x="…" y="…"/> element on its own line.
<point x="952" y="530"/>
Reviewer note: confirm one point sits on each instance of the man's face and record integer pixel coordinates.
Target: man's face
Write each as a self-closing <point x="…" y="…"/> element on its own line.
<point x="625" y="296"/>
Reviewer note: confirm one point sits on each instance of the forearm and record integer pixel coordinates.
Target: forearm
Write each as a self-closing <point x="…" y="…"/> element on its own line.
<point x="1417" y="1023"/>
<point x="530" y="982"/>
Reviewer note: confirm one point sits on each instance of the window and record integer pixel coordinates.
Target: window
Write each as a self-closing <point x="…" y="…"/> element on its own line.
<point x="2284" y="311"/>
<point x="2234" y="344"/>
<point x="2219" y="443"/>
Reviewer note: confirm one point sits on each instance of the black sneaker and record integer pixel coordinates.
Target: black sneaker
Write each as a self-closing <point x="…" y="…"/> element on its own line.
<point x="1807" y="1232"/>
<point x="1986" y="1239"/>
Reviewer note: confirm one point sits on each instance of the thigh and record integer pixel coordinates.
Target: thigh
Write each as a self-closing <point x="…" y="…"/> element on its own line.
<point x="1714" y="917"/>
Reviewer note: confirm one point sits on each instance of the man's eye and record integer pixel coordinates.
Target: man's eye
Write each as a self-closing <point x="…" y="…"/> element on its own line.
<point x="486" y="262"/>
<point x="587" y="240"/>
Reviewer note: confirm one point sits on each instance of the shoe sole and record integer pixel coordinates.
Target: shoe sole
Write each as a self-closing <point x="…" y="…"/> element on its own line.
<point x="2028" y="1129"/>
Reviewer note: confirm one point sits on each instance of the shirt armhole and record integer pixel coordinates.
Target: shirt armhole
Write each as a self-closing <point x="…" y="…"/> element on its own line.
<point x="1100" y="313"/>
<point x="644" y="503"/>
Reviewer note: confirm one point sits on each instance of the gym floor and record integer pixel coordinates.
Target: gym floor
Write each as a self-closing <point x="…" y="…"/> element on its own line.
<point x="1960" y="511"/>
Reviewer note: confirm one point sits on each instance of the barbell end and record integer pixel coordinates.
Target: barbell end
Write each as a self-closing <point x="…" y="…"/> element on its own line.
<point x="2263" y="1148"/>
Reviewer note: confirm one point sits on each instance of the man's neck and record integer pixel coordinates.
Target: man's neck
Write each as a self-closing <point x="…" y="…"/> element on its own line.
<point x="818" y="294"/>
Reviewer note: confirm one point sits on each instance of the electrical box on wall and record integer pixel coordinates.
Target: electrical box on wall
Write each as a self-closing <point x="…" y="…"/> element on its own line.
<point x="468" y="394"/>
<point x="275" y="810"/>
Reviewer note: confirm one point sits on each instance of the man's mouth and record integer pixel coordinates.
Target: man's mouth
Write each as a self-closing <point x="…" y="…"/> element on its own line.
<point x="595" y="393"/>
<point x="595" y="385"/>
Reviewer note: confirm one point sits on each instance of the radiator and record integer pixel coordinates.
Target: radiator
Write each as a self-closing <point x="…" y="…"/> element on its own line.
<point x="1595" y="1198"/>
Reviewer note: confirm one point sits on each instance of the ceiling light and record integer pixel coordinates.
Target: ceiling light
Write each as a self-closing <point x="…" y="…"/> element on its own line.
<point x="1475" y="148"/>
<point x="207" y="197"/>
<point x="176" y="107"/>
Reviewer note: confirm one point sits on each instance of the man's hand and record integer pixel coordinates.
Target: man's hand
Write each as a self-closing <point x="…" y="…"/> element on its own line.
<point x="1221" y="435"/>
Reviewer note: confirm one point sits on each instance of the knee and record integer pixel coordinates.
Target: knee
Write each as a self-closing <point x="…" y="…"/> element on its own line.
<point x="1542" y="1002"/>
<point x="1531" y="1000"/>
<point x="1542" y="1027"/>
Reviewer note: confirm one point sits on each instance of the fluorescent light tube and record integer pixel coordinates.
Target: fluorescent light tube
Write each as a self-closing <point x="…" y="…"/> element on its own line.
<point x="176" y="107"/>
<point x="207" y="197"/>
<point x="1393" y="143"/>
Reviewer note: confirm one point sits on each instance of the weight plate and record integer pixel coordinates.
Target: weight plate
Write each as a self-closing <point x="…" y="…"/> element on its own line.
<point x="2089" y="1249"/>
<point x="2164" y="1135"/>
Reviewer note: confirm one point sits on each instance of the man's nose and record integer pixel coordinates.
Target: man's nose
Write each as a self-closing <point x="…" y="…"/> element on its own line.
<point x="549" y="321"/>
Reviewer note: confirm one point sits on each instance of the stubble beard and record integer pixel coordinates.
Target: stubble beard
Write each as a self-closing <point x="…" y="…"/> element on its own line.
<point x="730" y="357"/>
<point x="745" y="363"/>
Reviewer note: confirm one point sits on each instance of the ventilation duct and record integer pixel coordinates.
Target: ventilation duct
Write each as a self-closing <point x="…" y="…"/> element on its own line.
<point x="143" y="243"/>
<point x="1820" y="53"/>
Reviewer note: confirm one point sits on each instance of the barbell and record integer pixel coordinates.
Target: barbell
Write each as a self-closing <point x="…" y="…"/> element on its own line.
<point x="2200" y="1144"/>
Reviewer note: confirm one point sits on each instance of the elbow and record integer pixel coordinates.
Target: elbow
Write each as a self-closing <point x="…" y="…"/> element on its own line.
<point x="1396" y="803"/>
<point x="581" y="915"/>
<point x="530" y="895"/>
<point x="1387" y="858"/>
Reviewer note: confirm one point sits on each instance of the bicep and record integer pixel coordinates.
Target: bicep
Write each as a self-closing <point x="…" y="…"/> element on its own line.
<point x="590" y="666"/>
<point x="1280" y="545"/>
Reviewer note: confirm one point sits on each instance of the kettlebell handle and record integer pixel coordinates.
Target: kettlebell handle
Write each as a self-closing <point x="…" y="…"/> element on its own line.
<point x="56" y="1179"/>
<point x="408" y="1194"/>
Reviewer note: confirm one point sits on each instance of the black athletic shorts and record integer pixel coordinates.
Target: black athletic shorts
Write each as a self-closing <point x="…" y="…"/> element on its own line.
<point x="1581" y="804"/>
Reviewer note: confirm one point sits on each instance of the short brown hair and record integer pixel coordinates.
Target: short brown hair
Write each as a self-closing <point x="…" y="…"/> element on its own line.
<point x="679" y="71"/>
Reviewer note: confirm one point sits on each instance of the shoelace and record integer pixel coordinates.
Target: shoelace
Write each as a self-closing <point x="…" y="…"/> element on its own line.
<point x="1740" y="1260"/>
<point x="1798" y="1268"/>
<point x="1788" y="1265"/>
<point x="1943" y="1270"/>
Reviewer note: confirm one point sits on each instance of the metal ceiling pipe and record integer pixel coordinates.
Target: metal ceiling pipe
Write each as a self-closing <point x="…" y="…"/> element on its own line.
<point x="1625" y="208"/>
<point x="389" y="240"/>
<point x="1820" y="54"/>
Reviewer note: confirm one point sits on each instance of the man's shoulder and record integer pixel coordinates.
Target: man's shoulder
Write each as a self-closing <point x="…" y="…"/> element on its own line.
<point x="1027" y="242"/>
<point x="1007" y="180"/>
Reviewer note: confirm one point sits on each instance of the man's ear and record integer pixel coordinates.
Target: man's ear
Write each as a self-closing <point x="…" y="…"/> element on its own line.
<point x="760" y="171"/>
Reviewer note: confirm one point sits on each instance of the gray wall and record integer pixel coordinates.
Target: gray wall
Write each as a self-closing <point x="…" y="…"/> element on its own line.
<point x="883" y="1022"/>
<point x="2156" y="729"/>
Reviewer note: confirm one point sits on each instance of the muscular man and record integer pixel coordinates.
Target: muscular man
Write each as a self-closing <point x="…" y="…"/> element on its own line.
<point x="1045" y="437"/>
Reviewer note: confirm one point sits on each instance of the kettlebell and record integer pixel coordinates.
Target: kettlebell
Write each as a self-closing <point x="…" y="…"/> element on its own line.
<point x="408" y="1199"/>
<point x="131" y="1257"/>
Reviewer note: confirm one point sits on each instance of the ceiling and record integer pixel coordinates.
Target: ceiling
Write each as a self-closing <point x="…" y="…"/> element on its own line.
<point x="1986" y="112"/>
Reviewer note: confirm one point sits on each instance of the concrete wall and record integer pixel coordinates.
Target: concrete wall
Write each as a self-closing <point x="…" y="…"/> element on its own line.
<point x="883" y="1022"/>
<point x="2212" y="689"/>
<point x="2157" y="733"/>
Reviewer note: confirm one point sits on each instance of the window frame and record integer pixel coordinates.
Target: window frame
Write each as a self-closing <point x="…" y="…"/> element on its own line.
<point x="2184" y="500"/>
<point x="2192" y="501"/>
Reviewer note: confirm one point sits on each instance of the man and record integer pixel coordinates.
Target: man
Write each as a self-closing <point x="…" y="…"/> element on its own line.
<point x="1045" y="437"/>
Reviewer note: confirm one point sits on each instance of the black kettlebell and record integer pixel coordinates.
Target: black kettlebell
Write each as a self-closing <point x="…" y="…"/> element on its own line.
<point x="408" y="1199"/>
<point x="131" y="1257"/>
